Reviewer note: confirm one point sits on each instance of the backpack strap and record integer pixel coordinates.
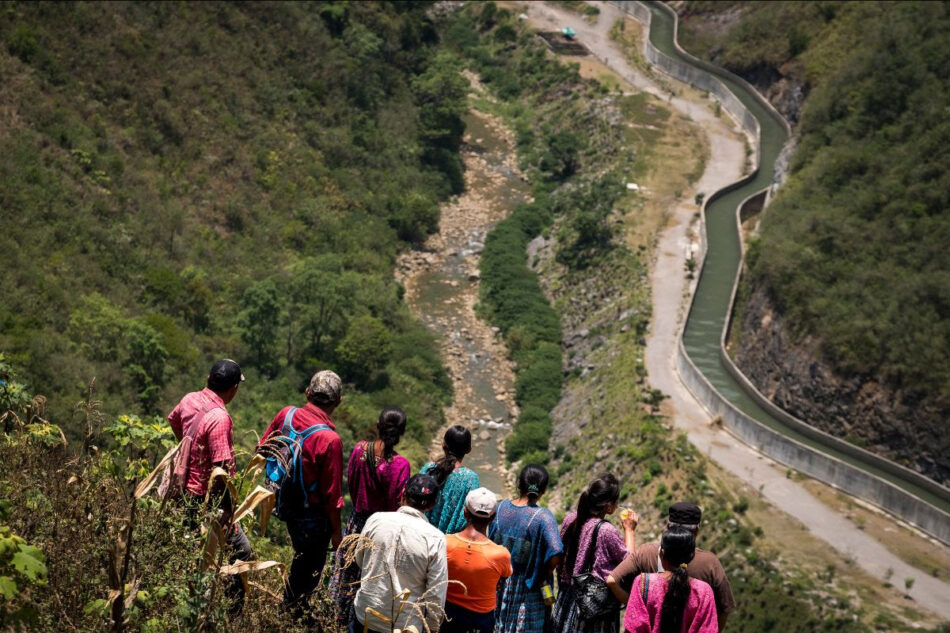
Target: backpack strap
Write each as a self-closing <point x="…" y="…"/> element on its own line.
<point x="301" y="436"/>
<point x="591" y="549"/>
<point x="288" y="426"/>
<point x="644" y="587"/>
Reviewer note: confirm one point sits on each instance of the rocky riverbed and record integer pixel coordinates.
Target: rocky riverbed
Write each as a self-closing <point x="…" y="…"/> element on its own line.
<point x="442" y="282"/>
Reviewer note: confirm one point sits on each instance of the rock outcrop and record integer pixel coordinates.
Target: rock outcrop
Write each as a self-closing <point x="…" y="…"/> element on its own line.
<point x="894" y="422"/>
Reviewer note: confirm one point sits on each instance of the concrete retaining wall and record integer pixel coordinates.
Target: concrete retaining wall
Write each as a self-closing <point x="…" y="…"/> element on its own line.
<point x="811" y="462"/>
<point x="785" y="450"/>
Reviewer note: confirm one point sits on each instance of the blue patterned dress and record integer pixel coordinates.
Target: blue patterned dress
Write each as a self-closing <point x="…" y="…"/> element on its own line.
<point x="531" y="534"/>
<point x="447" y="515"/>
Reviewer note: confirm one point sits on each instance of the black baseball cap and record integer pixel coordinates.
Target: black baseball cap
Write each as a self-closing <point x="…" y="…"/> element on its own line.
<point x="685" y="513"/>
<point x="224" y="374"/>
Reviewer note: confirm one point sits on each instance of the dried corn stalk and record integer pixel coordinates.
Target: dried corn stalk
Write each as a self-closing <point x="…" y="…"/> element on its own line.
<point x="149" y="482"/>
<point x="220" y="475"/>
<point x="258" y="497"/>
<point x="212" y="544"/>
<point x="243" y="566"/>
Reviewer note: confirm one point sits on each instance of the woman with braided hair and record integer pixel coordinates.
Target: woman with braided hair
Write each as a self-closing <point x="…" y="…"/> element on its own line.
<point x="455" y="480"/>
<point x="530" y="533"/>
<point x="376" y="476"/>
<point x="670" y="601"/>
<point x="591" y="543"/>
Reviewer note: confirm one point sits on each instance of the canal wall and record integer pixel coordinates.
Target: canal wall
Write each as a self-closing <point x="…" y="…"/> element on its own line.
<point x="787" y="451"/>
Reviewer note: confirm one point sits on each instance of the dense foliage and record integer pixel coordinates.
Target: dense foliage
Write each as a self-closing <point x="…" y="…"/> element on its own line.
<point x="853" y="250"/>
<point x="185" y="182"/>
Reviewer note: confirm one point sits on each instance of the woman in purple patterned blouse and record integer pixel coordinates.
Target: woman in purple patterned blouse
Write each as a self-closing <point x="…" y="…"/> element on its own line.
<point x="577" y="531"/>
<point x="376" y="476"/>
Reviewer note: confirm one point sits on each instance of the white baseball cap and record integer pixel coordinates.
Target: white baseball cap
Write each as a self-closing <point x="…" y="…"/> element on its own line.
<point x="481" y="502"/>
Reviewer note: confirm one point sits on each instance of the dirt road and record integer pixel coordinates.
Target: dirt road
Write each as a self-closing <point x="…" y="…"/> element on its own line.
<point x="669" y="287"/>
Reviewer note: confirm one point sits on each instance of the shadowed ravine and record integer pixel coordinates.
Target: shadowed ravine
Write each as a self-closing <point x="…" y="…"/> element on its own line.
<point x="442" y="289"/>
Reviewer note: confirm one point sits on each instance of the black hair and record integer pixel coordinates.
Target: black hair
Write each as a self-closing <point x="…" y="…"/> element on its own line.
<point x="458" y="443"/>
<point x="480" y="523"/>
<point x="224" y="374"/>
<point x="677" y="545"/>
<point x="389" y="428"/>
<point x="422" y="491"/>
<point x="320" y="399"/>
<point x="533" y="481"/>
<point x="599" y="494"/>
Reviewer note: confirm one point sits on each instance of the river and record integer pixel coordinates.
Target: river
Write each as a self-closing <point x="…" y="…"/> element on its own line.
<point x="441" y="282"/>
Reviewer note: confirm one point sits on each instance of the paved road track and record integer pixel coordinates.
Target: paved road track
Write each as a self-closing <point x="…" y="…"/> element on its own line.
<point x="669" y="286"/>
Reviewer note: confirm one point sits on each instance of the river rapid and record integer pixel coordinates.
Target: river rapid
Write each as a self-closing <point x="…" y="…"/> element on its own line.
<point x="441" y="282"/>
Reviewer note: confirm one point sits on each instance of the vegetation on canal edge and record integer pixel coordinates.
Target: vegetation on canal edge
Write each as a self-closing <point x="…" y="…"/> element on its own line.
<point x="852" y="253"/>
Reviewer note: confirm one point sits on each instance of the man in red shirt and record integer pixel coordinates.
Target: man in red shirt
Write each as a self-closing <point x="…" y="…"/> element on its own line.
<point x="315" y="525"/>
<point x="204" y="416"/>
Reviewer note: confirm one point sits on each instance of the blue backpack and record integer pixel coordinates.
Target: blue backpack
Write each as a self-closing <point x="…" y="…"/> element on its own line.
<point x="283" y="472"/>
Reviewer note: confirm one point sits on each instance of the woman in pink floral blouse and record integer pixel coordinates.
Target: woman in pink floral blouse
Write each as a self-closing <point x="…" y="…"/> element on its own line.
<point x="671" y="601"/>
<point x="376" y="476"/>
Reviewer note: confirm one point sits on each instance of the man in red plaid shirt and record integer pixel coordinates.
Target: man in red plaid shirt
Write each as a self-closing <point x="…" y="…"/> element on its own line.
<point x="316" y="523"/>
<point x="212" y="446"/>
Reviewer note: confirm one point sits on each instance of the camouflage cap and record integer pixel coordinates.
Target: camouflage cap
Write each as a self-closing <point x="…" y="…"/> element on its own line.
<point x="325" y="387"/>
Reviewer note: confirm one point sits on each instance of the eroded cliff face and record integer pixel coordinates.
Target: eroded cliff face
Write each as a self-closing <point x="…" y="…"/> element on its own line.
<point x="895" y="423"/>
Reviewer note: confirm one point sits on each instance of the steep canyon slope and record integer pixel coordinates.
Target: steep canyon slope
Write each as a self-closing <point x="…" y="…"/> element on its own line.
<point x="843" y="316"/>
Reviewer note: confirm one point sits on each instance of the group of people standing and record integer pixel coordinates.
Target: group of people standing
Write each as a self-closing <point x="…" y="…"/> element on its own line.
<point x="437" y="552"/>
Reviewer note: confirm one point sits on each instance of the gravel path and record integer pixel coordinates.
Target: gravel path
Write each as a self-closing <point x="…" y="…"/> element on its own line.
<point x="669" y="287"/>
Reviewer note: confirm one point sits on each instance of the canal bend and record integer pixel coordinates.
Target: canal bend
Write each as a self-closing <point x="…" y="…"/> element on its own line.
<point x="712" y="301"/>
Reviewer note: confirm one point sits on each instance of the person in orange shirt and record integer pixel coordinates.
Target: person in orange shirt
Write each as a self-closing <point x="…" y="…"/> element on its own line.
<point x="478" y="564"/>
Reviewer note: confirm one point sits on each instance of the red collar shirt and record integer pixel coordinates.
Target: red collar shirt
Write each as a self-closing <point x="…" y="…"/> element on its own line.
<point x="214" y="438"/>
<point x="321" y="455"/>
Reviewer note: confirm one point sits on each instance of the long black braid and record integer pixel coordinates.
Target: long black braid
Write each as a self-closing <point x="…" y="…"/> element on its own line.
<point x="389" y="428"/>
<point x="678" y="546"/>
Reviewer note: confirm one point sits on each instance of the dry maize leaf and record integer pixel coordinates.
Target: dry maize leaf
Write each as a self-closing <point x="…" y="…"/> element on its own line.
<point x="215" y="538"/>
<point x="270" y="593"/>
<point x="244" y="566"/>
<point x="255" y="467"/>
<point x="266" y="510"/>
<point x="376" y="614"/>
<point x="142" y="489"/>
<point x="257" y="496"/>
<point x="220" y="474"/>
<point x="117" y="553"/>
<point x="133" y="590"/>
<point x="241" y="567"/>
<point x="114" y="594"/>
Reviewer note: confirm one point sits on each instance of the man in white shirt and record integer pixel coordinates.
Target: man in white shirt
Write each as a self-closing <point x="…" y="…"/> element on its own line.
<point x="404" y="574"/>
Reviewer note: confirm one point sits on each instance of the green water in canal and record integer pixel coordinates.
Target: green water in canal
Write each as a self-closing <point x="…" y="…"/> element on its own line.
<point x="710" y="306"/>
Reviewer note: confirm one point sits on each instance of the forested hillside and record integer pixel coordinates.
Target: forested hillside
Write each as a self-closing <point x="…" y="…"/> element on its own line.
<point x="844" y="316"/>
<point x="577" y="140"/>
<point x="183" y="182"/>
